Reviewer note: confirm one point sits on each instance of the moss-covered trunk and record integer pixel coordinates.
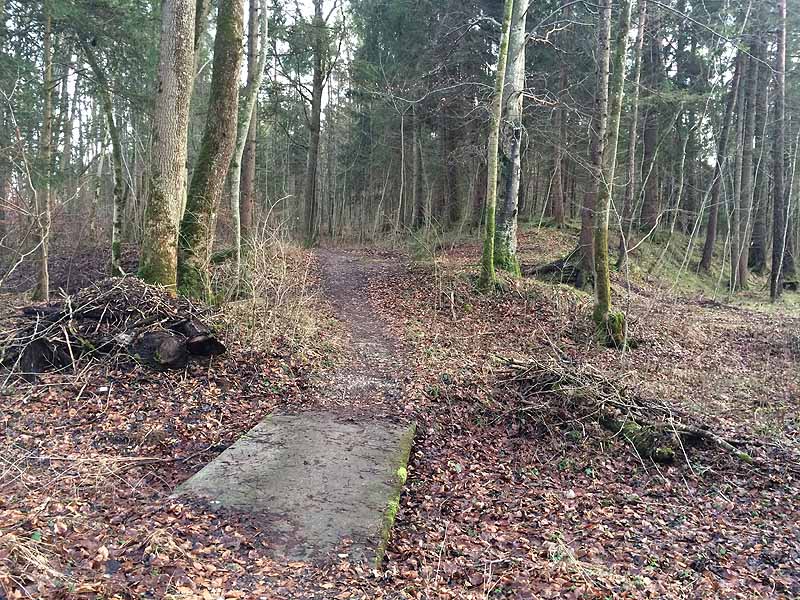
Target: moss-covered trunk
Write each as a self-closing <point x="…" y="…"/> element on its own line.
<point x="488" y="277"/>
<point x="510" y="151"/>
<point x="159" y="258"/>
<point x="243" y="216"/>
<point x="610" y="325"/>
<point x="216" y="149"/>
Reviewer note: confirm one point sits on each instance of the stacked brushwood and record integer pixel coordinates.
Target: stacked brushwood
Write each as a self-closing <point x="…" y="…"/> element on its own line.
<point x="115" y="318"/>
<point x="544" y="388"/>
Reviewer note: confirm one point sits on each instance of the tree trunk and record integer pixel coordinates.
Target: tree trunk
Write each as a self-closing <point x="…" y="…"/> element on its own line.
<point x="757" y="259"/>
<point x="488" y="277"/>
<point x="255" y="69"/>
<point x="247" y="123"/>
<point x="734" y="226"/>
<point x="505" y="242"/>
<point x="745" y="201"/>
<point x="556" y="199"/>
<point x="610" y="325"/>
<point x="650" y="205"/>
<point x="779" y="162"/>
<point x="169" y="151"/>
<point x="416" y="176"/>
<point x="716" y="186"/>
<point x="631" y="180"/>
<point x="116" y="159"/>
<point x="219" y="138"/>
<point x="310" y="190"/>
<point x="41" y="195"/>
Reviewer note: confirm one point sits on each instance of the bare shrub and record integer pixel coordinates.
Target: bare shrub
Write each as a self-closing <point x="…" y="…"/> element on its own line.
<point x="271" y="295"/>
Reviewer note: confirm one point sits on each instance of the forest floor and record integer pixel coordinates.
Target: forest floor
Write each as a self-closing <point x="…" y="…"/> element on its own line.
<point x="501" y="502"/>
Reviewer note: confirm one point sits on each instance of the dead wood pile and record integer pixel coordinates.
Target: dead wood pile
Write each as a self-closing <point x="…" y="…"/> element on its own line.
<point x="114" y="318"/>
<point x="582" y="393"/>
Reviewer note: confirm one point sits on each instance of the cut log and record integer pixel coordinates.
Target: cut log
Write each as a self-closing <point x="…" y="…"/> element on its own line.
<point x="161" y="350"/>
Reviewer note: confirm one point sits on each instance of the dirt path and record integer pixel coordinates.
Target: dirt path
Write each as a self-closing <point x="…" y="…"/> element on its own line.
<point x="328" y="477"/>
<point x="374" y="374"/>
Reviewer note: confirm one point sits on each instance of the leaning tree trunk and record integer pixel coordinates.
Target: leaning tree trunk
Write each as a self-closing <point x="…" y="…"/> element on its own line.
<point x="216" y="149"/>
<point x="116" y="159"/>
<point x="170" y="128"/>
<point x="633" y="135"/>
<point x="610" y="324"/>
<point x="505" y="239"/>
<point x="488" y="277"/>
<point x="779" y="161"/>
<point x="41" y="193"/>
<point x="247" y="124"/>
<point x="310" y="206"/>
<point x="716" y="186"/>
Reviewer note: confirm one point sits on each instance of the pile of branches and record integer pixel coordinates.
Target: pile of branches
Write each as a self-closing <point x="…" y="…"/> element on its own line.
<point x="582" y="393"/>
<point x="113" y="318"/>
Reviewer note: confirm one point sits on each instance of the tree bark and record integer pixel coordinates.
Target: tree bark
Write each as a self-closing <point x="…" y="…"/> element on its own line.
<point x="169" y="151"/>
<point x="610" y="325"/>
<point x="255" y="68"/>
<point x="649" y="216"/>
<point x="41" y="195"/>
<point x="745" y="202"/>
<point x="510" y="166"/>
<point x="246" y="125"/>
<point x="556" y="199"/>
<point x="116" y="159"/>
<point x="310" y="204"/>
<point x="631" y="181"/>
<point x="716" y="186"/>
<point x="219" y="137"/>
<point x="488" y="277"/>
<point x="779" y="232"/>
<point x="757" y="259"/>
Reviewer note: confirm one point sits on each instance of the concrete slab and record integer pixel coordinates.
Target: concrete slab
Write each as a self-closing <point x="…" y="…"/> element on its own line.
<point x="313" y="480"/>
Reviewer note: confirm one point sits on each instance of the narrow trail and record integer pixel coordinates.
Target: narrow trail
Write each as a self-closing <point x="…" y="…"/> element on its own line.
<point x="375" y="373"/>
<point x="327" y="479"/>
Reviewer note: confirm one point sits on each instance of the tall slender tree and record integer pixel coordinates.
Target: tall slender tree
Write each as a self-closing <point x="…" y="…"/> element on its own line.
<point x="488" y="276"/>
<point x="42" y="191"/>
<point x="631" y="178"/>
<point x="510" y="163"/>
<point x="779" y="225"/>
<point x="310" y="200"/>
<point x="246" y="127"/>
<point x="610" y="324"/>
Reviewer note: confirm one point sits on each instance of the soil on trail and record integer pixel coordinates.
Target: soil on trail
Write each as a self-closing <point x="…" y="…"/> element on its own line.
<point x="373" y="376"/>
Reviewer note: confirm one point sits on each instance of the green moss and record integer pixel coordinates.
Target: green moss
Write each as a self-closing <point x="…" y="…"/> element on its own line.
<point x="400" y="465"/>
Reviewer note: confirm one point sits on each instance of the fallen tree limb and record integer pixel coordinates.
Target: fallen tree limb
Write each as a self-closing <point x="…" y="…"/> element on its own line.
<point x="582" y="392"/>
